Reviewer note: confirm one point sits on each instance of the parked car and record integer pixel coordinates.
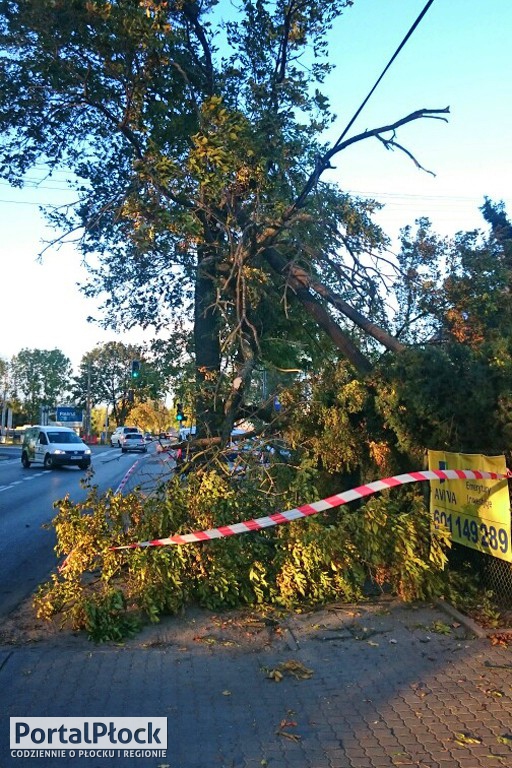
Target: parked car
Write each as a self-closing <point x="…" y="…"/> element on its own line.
<point x="119" y="435"/>
<point x="54" y="447"/>
<point x="134" y="441"/>
<point x="186" y="433"/>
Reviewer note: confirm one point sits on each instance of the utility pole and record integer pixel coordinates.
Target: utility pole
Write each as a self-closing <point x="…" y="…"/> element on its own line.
<point x="88" y="401"/>
<point x="3" y="422"/>
<point x="4" y="410"/>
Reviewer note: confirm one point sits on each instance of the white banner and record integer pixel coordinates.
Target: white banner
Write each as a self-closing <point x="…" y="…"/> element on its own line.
<point x="88" y="733"/>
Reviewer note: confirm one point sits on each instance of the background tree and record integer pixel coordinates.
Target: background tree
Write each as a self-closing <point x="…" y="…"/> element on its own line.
<point x="417" y="289"/>
<point x="198" y="151"/>
<point x="449" y="389"/>
<point x="452" y="388"/>
<point x="105" y="378"/>
<point x="501" y="227"/>
<point x="455" y="289"/>
<point x="40" y="377"/>
<point x="151" y="416"/>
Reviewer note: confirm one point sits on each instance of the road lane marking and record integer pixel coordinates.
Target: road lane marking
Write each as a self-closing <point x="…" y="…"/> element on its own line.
<point x="19" y="482"/>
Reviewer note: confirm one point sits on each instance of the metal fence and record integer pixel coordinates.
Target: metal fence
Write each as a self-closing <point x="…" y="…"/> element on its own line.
<point x="495" y="574"/>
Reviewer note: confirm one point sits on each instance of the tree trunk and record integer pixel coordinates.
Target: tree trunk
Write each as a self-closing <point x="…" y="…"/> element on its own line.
<point x="207" y="353"/>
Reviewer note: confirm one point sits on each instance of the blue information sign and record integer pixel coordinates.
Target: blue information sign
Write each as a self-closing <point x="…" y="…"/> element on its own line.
<point x="68" y="413"/>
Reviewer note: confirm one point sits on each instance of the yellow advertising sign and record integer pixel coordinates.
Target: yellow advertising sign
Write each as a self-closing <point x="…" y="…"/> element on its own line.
<point x="477" y="512"/>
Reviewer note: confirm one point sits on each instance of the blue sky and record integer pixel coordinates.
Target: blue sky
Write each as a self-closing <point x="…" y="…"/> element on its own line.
<point x="459" y="56"/>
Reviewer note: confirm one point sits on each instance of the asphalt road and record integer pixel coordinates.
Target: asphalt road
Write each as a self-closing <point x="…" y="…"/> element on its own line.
<point x="26" y="505"/>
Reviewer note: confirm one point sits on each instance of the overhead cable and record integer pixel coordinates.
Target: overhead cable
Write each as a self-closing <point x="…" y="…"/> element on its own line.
<point x="402" y="44"/>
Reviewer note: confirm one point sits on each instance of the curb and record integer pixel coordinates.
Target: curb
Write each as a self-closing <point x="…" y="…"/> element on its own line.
<point x="470" y="624"/>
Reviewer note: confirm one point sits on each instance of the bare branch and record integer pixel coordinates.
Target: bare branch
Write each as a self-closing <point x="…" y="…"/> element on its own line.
<point x="391" y="144"/>
<point x="323" y="162"/>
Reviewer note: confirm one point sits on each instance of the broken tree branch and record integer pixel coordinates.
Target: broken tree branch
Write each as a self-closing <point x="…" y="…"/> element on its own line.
<point x="323" y="161"/>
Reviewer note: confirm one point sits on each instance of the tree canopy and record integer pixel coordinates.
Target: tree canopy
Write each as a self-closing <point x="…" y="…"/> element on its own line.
<point x="193" y="135"/>
<point x="105" y="378"/>
<point x="40" y="377"/>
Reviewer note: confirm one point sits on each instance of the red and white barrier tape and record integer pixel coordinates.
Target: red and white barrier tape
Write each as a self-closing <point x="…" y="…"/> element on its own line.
<point x="126" y="477"/>
<point x="260" y="523"/>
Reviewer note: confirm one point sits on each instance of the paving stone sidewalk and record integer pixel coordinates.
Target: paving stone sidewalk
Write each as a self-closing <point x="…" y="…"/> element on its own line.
<point x="366" y="686"/>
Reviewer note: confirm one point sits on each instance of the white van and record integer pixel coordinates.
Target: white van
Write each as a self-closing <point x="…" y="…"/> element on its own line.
<point x="54" y="447"/>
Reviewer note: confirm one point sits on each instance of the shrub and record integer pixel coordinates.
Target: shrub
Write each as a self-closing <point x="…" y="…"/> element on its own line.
<point x="311" y="561"/>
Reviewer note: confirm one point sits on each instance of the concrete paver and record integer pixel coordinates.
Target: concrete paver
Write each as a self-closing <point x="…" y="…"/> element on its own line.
<point x="390" y="685"/>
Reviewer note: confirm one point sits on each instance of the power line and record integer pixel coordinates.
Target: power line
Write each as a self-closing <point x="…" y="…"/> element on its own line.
<point x="361" y="193"/>
<point x="412" y="196"/>
<point x="36" y="185"/>
<point x="20" y="202"/>
<point x="402" y="44"/>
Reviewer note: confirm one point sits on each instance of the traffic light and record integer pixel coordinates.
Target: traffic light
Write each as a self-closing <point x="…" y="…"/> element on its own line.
<point x="180" y="416"/>
<point x="135" y="369"/>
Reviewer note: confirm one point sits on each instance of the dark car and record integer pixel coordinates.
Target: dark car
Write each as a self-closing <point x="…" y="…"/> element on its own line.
<point x="134" y="441"/>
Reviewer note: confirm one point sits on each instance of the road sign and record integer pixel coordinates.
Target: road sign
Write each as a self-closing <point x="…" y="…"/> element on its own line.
<point x="67" y="413"/>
